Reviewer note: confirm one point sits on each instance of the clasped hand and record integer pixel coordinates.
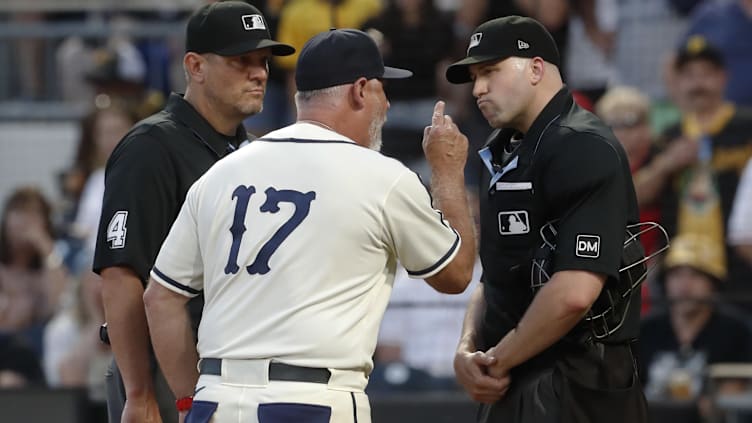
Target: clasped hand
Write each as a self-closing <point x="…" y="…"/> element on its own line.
<point x="482" y="375"/>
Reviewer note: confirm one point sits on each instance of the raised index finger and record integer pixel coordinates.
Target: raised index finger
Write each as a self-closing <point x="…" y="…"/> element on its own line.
<point x="438" y="114"/>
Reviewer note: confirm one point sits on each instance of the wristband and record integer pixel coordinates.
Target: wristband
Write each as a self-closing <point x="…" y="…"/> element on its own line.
<point x="184" y="404"/>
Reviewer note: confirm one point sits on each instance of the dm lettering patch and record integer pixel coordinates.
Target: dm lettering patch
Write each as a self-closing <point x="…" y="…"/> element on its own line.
<point x="588" y="246"/>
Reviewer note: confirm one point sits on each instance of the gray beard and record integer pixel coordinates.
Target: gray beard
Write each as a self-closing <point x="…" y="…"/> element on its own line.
<point x="375" y="144"/>
<point x="374" y="134"/>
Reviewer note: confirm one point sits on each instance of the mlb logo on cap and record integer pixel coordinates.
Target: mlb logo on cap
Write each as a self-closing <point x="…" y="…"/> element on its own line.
<point x="251" y="22"/>
<point x="474" y="40"/>
<point x="216" y="28"/>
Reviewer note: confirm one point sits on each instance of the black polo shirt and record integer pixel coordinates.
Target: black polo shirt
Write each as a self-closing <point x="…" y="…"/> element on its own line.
<point x="569" y="168"/>
<point x="146" y="180"/>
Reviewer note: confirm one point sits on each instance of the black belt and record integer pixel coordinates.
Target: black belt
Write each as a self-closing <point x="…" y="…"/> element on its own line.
<point x="277" y="371"/>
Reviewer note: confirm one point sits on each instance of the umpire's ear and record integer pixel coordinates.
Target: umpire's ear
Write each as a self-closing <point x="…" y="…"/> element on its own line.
<point x="194" y="66"/>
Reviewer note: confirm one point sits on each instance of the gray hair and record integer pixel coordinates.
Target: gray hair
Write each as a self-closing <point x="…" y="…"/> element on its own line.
<point x="328" y="94"/>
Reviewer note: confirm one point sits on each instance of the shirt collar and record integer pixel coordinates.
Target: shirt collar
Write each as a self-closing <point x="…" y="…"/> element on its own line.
<point x="492" y="152"/>
<point x="307" y="131"/>
<point x="559" y="104"/>
<point x="192" y="119"/>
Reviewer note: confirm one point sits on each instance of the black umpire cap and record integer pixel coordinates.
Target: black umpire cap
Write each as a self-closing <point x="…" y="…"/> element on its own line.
<point x="230" y="28"/>
<point x="341" y="56"/>
<point x="500" y="38"/>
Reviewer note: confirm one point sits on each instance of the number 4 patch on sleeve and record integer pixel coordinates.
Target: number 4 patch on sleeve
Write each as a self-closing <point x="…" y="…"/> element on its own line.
<point x="117" y="230"/>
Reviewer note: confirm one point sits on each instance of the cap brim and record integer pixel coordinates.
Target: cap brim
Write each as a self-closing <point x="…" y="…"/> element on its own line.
<point x="683" y="58"/>
<point x="278" y="49"/>
<point x="396" y="73"/>
<point x="459" y="72"/>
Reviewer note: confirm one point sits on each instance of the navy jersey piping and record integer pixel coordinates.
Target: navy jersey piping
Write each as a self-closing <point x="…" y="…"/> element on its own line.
<point x="355" y="408"/>
<point x="175" y="283"/>
<point x="430" y="198"/>
<point x="306" y="141"/>
<point x="441" y="260"/>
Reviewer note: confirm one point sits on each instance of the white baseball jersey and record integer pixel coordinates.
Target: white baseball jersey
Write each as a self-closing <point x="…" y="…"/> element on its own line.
<point x="294" y="241"/>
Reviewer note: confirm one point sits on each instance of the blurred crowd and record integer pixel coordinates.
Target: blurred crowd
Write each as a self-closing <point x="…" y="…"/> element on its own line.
<point x="672" y="78"/>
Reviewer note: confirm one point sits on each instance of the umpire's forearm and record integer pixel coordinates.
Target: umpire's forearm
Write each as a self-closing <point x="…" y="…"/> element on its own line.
<point x="559" y="305"/>
<point x="172" y="338"/>
<point x="122" y="293"/>
<point x="471" y="325"/>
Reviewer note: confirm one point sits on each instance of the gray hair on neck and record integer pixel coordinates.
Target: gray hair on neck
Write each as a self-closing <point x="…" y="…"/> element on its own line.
<point x="330" y="95"/>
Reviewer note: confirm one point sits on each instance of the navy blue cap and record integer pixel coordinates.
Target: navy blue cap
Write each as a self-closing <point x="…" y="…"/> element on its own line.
<point x="230" y="28"/>
<point x="695" y="48"/>
<point x="341" y="56"/>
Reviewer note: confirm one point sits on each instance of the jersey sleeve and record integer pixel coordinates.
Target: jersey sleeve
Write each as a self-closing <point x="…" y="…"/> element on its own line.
<point x="585" y="184"/>
<point x="422" y="239"/>
<point x="139" y="205"/>
<point x="179" y="265"/>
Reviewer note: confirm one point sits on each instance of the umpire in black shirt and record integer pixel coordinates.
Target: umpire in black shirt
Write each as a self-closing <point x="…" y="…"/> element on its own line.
<point x="556" y="201"/>
<point x="228" y="49"/>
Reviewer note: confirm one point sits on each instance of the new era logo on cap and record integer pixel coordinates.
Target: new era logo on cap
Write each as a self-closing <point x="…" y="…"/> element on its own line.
<point x="251" y="22"/>
<point x="521" y="45"/>
<point x="474" y="40"/>
<point x="588" y="246"/>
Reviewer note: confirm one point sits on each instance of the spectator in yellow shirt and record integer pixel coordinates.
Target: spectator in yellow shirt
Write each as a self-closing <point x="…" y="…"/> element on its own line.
<point x="302" y="19"/>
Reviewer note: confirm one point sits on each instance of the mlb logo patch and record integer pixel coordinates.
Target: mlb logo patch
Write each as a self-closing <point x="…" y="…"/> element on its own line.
<point x="514" y="222"/>
<point x="474" y="40"/>
<point x="588" y="246"/>
<point x="251" y="22"/>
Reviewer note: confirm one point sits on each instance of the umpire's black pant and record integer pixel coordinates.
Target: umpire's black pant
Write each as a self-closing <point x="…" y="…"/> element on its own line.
<point x="595" y="384"/>
<point x="116" y="394"/>
<point x="531" y="399"/>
